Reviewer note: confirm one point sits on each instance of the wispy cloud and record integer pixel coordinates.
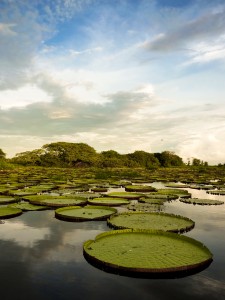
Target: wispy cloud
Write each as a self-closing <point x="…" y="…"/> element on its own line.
<point x="135" y="75"/>
<point x="7" y="29"/>
<point x="187" y="34"/>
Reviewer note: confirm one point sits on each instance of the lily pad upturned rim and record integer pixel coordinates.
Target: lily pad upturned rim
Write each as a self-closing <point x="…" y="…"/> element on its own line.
<point x="57" y="201"/>
<point x="126" y="195"/>
<point x="157" y="195"/>
<point x="9" y="212"/>
<point x="108" y="201"/>
<point x="25" y="206"/>
<point x="66" y="203"/>
<point x="202" y="201"/>
<point x="8" y="200"/>
<point x="159" y="201"/>
<point x="63" y="216"/>
<point x="140" y="188"/>
<point x="191" y="263"/>
<point x="162" y="226"/>
<point x="181" y="193"/>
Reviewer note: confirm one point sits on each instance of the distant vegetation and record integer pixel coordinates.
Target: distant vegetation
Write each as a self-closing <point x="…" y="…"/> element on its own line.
<point x="63" y="154"/>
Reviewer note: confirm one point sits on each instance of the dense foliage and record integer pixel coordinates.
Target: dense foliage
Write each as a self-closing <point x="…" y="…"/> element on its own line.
<point x="63" y="154"/>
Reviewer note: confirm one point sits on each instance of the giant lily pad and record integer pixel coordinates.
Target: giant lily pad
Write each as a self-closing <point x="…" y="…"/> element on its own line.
<point x="157" y="195"/>
<point x="131" y="196"/>
<point x="140" y="188"/>
<point x="88" y="213"/>
<point x="153" y="200"/>
<point x="216" y="192"/>
<point x="202" y="201"/>
<point x="9" y="212"/>
<point x="156" y="221"/>
<point x="56" y="201"/>
<point x="150" y="252"/>
<point x="24" y="206"/>
<point x="145" y="207"/>
<point x="178" y="192"/>
<point x="108" y="201"/>
<point x="7" y="200"/>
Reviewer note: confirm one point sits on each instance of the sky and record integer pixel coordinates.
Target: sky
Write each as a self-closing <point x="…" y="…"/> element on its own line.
<point x="121" y="75"/>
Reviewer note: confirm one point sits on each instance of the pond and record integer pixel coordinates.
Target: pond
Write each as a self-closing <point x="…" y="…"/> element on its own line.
<point x="41" y="257"/>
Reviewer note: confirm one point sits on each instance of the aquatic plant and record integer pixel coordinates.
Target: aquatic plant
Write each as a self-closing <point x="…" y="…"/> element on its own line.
<point x="88" y="213"/>
<point x="125" y="195"/>
<point x="149" y="251"/>
<point x="108" y="201"/>
<point x="202" y="201"/>
<point x="140" y="188"/>
<point x="156" y="221"/>
<point x="9" y="212"/>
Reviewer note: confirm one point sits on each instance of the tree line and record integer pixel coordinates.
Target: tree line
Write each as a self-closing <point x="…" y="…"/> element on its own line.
<point x="64" y="154"/>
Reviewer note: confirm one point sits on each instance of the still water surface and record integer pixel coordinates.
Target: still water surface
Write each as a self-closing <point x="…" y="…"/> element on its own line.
<point x="41" y="258"/>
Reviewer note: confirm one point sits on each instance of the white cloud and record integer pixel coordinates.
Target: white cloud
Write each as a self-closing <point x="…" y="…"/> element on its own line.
<point x="7" y="29"/>
<point x="21" y="234"/>
<point x="22" y="97"/>
<point x="185" y="36"/>
<point x="207" y="146"/>
<point x="75" y="53"/>
<point x="207" y="52"/>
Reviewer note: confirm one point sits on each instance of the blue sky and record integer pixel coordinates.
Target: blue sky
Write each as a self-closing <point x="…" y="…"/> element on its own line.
<point x="124" y="75"/>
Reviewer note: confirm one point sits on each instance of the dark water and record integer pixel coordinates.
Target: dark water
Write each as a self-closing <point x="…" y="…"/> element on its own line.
<point x="41" y="258"/>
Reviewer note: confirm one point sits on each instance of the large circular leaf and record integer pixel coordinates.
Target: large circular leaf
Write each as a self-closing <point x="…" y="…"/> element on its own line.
<point x="151" y="220"/>
<point x="152" y="252"/>
<point x="9" y="212"/>
<point x="77" y="213"/>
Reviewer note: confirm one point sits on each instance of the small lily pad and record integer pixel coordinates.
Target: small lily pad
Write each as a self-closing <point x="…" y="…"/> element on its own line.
<point x="88" y="213"/>
<point x="202" y="201"/>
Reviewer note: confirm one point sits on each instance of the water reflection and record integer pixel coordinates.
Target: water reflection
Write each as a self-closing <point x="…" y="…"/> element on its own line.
<point x="41" y="258"/>
<point x="22" y="234"/>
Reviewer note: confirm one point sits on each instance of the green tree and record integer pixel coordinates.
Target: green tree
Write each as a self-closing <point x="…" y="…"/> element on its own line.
<point x="169" y="159"/>
<point x="196" y="162"/>
<point x="28" y="158"/>
<point x="2" y="154"/>
<point x="69" y="154"/>
<point x="111" y="159"/>
<point x="144" y="159"/>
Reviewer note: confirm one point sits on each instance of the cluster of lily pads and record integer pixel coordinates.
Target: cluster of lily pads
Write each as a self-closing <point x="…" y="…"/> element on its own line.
<point x="143" y="240"/>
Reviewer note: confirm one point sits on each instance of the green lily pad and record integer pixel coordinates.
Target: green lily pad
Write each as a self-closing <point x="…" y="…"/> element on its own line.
<point x="178" y="192"/>
<point x="9" y="212"/>
<point x="7" y="200"/>
<point x="88" y="213"/>
<point x="131" y="196"/>
<point x="151" y="252"/>
<point x="152" y="200"/>
<point x="202" y="201"/>
<point x="157" y="195"/>
<point x="99" y="189"/>
<point x="153" y="221"/>
<point x="177" y="185"/>
<point x="57" y="201"/>
<point x="108" y="201"/>
<point x="216" y="192"/>
<point x="24" y="206"/>
<point x="145" y="207"/>
<point x="140" y="188"/>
